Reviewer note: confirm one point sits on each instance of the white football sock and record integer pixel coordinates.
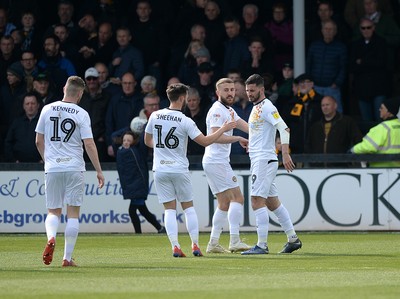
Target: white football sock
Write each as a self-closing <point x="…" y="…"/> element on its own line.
<point x="262" y="220"/>
<point x="192" y="224"/>
<point x="286" y="223"/>
<point x="71" y="235"/>
<point x="171" y="226"/>
<point x="218" y="222"/>
<point x="51" y="224"/>
<point x="235" y="213"/>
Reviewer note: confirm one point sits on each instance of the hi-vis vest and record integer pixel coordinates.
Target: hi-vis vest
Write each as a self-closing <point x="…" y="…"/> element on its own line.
<point x="381" y="139"/>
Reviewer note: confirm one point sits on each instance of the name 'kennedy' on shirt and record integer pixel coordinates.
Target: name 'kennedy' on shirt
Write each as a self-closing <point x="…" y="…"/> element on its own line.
<point x="169" y="117"/>
<point x="65" y="109"/>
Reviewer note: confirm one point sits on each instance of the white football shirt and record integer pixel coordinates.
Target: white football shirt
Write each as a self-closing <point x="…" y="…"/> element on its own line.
<point x="263" y="118"/>
<point x="216" y="117"/>
<point x="170" y="130"/>
<point x="64" y="126"/>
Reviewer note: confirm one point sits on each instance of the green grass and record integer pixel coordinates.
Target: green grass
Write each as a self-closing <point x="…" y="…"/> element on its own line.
<point x="330" y="265"/>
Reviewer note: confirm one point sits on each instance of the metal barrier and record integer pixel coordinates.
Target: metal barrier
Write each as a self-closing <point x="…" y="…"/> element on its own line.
<point x="243" y="161"/>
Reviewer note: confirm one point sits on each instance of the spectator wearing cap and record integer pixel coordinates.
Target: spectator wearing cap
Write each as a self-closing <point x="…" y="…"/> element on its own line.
<point x="20" y="141"/>
<point x="301" y="112"/>
<point x="236" y="47"/>
<point x="58" y="68"/>
<point x="41" y="87"/>
<point x="327" y="63"/>
<point x="384" y="138"/>
<point x="285" y="86"/>
<point x="95" y="101"/>
<point x="206" y="84"/>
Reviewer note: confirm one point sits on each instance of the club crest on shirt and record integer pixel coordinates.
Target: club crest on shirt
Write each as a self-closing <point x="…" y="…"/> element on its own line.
<point x="216" y="116"/>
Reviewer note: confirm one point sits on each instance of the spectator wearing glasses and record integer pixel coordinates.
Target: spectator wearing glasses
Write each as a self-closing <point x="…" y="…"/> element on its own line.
<point x="368" y="70"/>
<point x="28" y="68"/>
<point x="301" y="112"/>
<point x="151" y="102"/>
<point x="95" y="101"/>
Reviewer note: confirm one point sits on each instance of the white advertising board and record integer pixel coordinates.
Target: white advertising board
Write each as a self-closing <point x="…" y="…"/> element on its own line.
<point x="317" y="200"/>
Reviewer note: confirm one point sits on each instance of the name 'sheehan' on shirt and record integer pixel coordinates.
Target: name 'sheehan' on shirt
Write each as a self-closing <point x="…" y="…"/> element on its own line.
<point x="169" y="117"/>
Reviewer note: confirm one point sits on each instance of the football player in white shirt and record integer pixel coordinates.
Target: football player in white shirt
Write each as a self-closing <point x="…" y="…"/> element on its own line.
<point x="220" y="176"/>
<point x="59" y="133"/>
<point x="167" y="132"/>
<point x="264" y="120"/>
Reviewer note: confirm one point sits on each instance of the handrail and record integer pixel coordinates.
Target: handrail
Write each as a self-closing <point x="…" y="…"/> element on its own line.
<point x="237" y="161"/>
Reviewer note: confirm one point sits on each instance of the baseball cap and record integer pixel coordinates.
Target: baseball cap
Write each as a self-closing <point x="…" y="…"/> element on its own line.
<point x="302" y="78"/>
<point x="41" y="77"/>
<point x="91" y="72"/>
<point x="205" y="67"/>
<point x="288" y="64"/>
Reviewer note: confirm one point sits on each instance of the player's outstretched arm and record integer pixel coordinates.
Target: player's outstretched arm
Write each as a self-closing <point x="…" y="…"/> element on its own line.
<point x="209" y="139"/>
<point x="91" y="151"/>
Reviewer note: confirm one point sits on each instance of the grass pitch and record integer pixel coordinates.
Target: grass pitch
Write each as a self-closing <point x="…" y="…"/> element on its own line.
<point x="330" y="265"/>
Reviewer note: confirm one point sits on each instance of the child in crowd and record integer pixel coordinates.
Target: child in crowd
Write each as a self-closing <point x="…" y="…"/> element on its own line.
<point x="134" y="177"/>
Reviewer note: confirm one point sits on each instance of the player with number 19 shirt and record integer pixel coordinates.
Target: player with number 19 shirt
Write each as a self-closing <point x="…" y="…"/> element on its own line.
<point x="59" y="123"/>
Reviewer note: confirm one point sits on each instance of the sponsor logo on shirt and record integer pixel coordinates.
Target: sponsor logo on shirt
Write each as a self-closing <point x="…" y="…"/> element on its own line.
<point x="275" y="114"/>
<point x="63" y="160"/>
<point x="163" y="162"/>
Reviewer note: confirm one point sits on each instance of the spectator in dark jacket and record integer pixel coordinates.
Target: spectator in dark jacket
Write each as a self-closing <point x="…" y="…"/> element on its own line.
<point x="236" y="47"/>
<point x="123" y="107"/>
<point x="134" y="178"/>
<point x="368" y="70"/>
<point x="126" y="58"/>
<point x="20" y="142"/>
<point x="334" y="133"/>
<point x="301" y="112"/>
<point x="327" y="62"/>
<point x="95" y="101"/>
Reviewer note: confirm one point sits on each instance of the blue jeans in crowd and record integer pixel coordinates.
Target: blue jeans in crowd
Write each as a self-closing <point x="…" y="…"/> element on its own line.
<point x="370" y="110"/>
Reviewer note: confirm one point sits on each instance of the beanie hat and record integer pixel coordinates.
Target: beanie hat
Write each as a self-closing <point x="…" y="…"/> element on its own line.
<point x="13" y="69"/>
<point x="392" y="105"/>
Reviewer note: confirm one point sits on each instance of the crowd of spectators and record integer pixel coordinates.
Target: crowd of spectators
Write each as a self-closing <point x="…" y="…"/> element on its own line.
<point x="127" y="50"/>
